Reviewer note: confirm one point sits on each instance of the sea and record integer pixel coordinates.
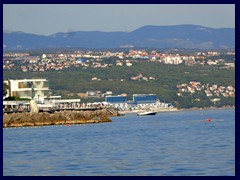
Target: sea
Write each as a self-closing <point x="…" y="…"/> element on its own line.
<point x="179" y="143"/>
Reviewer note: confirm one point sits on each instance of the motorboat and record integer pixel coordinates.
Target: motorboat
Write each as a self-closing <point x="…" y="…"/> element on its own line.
<point x="146" y="113"/>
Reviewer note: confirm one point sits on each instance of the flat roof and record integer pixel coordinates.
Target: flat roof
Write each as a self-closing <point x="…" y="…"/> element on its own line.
<point x="27" y="80"/>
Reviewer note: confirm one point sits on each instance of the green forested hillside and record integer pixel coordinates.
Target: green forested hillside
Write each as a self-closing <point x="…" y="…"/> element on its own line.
<point x="118" y="79"/>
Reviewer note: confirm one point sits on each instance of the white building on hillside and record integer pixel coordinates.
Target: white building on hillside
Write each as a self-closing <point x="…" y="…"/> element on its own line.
<point x="28" y="88"/>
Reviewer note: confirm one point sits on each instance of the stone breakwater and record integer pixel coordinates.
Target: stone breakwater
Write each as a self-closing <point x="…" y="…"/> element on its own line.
<point x="56" y="118"/>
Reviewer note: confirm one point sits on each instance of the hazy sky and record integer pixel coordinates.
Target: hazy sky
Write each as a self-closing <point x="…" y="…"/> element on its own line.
<point x="47" y="19"/>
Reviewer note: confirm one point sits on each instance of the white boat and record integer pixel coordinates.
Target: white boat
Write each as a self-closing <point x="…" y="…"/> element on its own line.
<point x="146" y="113"/>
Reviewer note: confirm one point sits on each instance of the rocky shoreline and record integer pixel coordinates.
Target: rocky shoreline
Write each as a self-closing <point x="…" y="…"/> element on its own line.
<point x="56" y="118"/>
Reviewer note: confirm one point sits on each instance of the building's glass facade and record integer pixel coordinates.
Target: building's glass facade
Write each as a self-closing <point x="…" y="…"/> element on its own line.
<point x="35" y="84"/>
<point x="115" y="99"/>
<point x="144" y="98"/>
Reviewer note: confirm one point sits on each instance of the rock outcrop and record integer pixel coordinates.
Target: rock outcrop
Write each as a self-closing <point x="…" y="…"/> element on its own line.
<point x="57" y="118"/>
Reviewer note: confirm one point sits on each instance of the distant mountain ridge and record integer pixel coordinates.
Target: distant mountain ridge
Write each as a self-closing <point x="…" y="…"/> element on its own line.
<point x="175" y="36"/>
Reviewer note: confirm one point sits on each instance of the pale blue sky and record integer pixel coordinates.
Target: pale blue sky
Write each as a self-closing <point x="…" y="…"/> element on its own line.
<point x="47" y="19"/>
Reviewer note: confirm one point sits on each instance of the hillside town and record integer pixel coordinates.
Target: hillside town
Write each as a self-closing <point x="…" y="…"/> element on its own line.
<point x="99" y="59"/>
<point x="82" y="60"/>
<point x="209" y="90"/>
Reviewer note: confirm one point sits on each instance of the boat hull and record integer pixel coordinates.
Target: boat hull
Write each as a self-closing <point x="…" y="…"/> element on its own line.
<point x="147" y="113"/>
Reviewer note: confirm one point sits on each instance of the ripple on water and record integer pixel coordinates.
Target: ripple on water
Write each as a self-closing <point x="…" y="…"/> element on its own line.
<point x="168" y="144"/>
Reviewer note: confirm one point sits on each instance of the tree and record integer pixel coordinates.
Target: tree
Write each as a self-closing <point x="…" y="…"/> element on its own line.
<point x="5" y="88"/>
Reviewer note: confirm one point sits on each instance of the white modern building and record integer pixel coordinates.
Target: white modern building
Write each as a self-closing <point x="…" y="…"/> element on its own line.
<point x="28" y="88"/>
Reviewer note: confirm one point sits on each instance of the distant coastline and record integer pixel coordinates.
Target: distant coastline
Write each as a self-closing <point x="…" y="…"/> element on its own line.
<point x="154" y="109"/>
<point x="78" y="117"/>
<point x="207" y="108"/>
<point x="175" y="109"/>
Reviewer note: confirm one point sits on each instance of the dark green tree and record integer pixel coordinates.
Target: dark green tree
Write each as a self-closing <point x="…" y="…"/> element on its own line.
<point x="5" y="88"/>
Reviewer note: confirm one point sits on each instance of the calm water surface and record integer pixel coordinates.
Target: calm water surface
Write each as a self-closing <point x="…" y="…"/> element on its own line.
<point x="168" y="144"/>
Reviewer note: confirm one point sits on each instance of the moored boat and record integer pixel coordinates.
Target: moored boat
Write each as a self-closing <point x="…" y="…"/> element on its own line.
<point x="146" y="113"/>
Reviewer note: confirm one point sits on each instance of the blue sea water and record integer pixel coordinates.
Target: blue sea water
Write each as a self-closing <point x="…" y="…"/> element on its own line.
<point x="168" y="144"/>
